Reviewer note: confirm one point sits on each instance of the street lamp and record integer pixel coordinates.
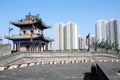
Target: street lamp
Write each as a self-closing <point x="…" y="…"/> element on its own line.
<point x="10" y="29"/>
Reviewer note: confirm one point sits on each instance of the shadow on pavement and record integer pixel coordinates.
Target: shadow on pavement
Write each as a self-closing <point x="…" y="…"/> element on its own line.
<point x="87" y="76"/>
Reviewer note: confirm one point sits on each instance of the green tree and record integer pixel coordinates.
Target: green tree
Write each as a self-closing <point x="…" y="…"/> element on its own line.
<point x="108" y="45"/>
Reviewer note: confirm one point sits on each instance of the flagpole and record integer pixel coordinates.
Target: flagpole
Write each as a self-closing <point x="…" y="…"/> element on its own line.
<point x="31" y="36"/>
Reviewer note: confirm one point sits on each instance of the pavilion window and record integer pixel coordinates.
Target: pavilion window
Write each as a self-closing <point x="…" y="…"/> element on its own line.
<point x="36" y="19"/>
<point x="24" y="31"/>
<point x="31" y="31"/>
<point x="32" y="20"/>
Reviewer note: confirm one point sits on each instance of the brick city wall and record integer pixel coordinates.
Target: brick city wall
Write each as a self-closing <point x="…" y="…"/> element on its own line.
<point x="5" y="49"/>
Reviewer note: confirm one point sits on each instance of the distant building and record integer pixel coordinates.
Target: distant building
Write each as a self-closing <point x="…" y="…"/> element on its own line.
<point x="1" y="40"/>
<point x="31" y="37"/>
<point x="119" y="41"/>
<point x="101" y="30"/>
<point x="107" y="30"/>
<point x="66" y="36"/>
<point x="113" y="28"/>
<point x="81" y="43"/>
<point x="59" y="39"/>
<point x="70" y="36"/>
<point x="92" y="39"/>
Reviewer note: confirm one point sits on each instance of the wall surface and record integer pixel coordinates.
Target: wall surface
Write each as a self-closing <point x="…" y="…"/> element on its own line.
<point x="5" y="49"/>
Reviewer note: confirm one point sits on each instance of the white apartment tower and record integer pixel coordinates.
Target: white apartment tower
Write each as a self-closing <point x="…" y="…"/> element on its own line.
<point x="100" y="30"/>
<point x="59" y="43"/>
<point x="113" y="31"/>
<point x="66" y="36"/>
<point x="70" y="36"/>
<point x="107" y="30"/>
<point x="119" y="40"/>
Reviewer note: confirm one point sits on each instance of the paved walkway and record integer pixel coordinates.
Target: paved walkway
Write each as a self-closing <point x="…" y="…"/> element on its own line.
<point x="79" y="71"/>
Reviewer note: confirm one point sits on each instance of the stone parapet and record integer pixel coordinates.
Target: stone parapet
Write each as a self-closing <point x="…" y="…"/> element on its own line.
<point x="57" y="57"/>
<point x="5" y="49"/>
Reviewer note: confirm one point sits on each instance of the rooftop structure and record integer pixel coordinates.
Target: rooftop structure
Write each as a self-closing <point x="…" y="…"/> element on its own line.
<point x="31" y="37"/>
<point x="29" y="20"/>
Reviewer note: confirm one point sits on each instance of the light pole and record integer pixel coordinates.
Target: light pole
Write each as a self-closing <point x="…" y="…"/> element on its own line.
<point x="10" y="29"/>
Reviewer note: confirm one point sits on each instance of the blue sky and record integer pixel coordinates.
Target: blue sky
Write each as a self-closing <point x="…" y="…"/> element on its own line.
<point x="83" y="12"/>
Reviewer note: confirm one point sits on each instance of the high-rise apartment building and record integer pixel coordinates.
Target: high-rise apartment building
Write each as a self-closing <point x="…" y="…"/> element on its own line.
<point x="119" y="40"/>
<point x="100" y="30"/>
<point x="66" y="36"/>
<point x="113" y="30"/>
<point x="107" y="30"/>
<point x="59" y="39"/>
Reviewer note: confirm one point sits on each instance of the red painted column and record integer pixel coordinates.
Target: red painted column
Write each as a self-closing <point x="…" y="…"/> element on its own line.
<point x="39" y="47"/>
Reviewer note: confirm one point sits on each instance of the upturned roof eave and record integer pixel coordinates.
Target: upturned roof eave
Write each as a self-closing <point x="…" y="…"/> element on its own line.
<point x="22" y="38"/>
<point x="18" y="24"/>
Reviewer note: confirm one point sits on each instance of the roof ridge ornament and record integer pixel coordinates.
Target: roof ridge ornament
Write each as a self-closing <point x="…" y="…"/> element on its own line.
<point x="30" y="19"/>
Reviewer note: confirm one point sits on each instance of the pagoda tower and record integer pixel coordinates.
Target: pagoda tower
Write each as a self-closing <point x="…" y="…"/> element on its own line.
<point x="31" y="37"/>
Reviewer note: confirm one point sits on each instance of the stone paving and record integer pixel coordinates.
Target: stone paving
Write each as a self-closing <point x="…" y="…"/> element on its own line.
<point x="70" y="71"/>
<point x="65" y="71"/>
<point x="111" y="69"/>
<point x="78" y="71"/>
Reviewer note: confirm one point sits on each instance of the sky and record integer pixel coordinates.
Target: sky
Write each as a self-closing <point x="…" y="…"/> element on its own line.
<point x="83" y="12"/>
